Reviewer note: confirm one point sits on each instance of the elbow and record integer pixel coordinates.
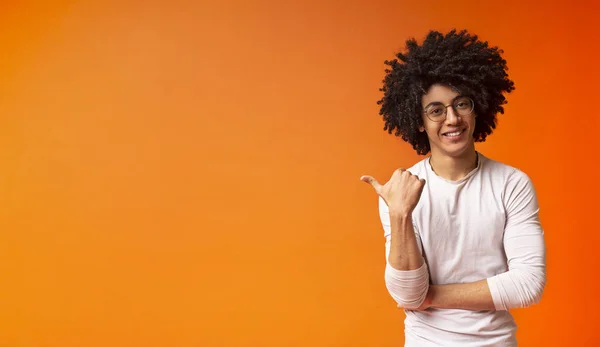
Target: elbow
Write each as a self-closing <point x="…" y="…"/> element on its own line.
<point x="407" y="288"/>
<point x="530" y="284"/>
<point x="520" y="288"/>
<point x="535" y="285"/>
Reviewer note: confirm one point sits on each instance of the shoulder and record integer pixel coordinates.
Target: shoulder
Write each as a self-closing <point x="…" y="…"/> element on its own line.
<point x="501" y="172"/>
<point x="419" y="168"/>
<point x="511" y="180"/>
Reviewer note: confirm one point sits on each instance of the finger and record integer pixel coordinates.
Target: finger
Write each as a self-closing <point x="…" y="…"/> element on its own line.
<point x="400" y="171"/>
<point x="415" y="178"/>
<point x="372" y="181"/>
<point x="419" y="184"/>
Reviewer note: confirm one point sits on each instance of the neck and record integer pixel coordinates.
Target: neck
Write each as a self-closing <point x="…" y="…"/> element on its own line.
<point x="454" y="168"/>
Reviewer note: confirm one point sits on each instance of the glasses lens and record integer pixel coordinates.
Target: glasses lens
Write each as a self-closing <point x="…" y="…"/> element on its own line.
<point x="435" y="112"/>
<point x="463" y="106"/>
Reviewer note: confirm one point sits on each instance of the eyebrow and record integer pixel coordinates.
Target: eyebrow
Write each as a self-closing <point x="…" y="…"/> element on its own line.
<point x="441" y="103"/>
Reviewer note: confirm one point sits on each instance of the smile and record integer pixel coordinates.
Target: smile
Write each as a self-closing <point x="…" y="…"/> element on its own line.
<point x="454" y="134"/>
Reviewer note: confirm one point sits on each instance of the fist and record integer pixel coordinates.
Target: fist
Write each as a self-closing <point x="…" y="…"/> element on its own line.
<point x="401" y="193"/>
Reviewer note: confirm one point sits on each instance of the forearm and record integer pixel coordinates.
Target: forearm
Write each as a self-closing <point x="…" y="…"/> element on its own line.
<point x="406" y="273"/>
<point x="474" y="296"/>
<point x="404" y="252"/>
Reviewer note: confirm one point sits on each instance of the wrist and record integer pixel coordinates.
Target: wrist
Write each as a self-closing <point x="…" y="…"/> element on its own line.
<point x="431" y="297"/>
<point x="400" y="213"/>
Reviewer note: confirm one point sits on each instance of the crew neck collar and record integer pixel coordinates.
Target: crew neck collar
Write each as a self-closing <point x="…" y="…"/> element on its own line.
<point x="480" y="159"/>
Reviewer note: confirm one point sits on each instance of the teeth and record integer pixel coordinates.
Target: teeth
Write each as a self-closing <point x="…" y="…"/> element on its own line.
<point x="453" y="134"/>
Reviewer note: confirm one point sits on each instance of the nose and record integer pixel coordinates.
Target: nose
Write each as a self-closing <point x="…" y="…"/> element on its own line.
<point x="451" y="117"/>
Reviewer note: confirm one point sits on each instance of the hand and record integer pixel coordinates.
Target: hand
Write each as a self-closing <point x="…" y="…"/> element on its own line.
<point x="401" y="193"/>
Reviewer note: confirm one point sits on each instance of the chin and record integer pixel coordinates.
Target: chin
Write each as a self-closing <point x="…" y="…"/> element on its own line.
<point x="456" y="149"/>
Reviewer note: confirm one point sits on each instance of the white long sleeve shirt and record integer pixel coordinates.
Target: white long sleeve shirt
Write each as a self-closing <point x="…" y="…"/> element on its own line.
<point x="484" y="226"/>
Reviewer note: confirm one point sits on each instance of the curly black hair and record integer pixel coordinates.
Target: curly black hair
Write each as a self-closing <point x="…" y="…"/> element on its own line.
<point x="458" y="60"/>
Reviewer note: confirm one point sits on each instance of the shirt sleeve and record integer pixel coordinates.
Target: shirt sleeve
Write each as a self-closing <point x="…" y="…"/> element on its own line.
<point x="523" y="284"/>
<point x="408" y="288"/>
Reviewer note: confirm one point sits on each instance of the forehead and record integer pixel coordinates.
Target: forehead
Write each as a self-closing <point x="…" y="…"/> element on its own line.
<point x="439" y="93"/>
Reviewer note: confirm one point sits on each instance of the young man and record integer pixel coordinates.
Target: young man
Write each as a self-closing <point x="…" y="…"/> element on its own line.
<point x="464" y="242"/>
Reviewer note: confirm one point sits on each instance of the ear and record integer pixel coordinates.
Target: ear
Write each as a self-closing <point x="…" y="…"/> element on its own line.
<point x="421" y="128"/>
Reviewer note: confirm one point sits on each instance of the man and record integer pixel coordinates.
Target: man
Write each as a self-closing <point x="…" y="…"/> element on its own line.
<point x="464" y="242"/>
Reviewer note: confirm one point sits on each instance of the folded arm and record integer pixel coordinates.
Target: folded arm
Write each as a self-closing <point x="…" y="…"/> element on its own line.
<point x="523" y="284"/>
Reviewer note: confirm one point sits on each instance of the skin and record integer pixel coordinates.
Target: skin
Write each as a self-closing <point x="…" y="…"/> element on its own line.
<point x="451" y="158"/>
<point x="401" y="193"/>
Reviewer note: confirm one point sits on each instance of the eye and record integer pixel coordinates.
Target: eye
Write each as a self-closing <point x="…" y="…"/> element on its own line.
<point x="462" y="104"/>
<point x="435" y="110"/>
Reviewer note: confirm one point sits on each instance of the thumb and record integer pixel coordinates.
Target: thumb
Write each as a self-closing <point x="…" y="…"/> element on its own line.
<point x="372" y="181"/>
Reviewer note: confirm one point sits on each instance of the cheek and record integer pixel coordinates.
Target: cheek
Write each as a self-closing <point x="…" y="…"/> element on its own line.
<point x="432" y="132"/>
<point x="432" y="128"/>
<point x="472" y="123"/>
<point x="426" y="127"/>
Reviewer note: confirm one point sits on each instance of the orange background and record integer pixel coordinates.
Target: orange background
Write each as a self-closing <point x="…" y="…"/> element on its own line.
<point x="187" y="174"/>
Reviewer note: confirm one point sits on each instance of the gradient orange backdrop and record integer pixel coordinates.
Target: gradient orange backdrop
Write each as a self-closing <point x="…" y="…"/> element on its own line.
<point x="187" y="173"/>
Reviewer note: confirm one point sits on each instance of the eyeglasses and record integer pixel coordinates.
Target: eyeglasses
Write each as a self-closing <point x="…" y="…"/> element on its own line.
<point x="462" y="106"/>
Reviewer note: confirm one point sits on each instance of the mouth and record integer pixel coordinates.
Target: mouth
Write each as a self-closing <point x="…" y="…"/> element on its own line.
<point x="454" y="134"/>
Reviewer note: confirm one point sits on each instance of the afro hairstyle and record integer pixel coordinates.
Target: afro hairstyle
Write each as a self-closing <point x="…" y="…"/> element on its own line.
<point x="458" y="60"/>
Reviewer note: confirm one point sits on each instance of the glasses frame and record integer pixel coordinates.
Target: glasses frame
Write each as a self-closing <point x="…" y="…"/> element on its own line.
<point x="453" y="108"/>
